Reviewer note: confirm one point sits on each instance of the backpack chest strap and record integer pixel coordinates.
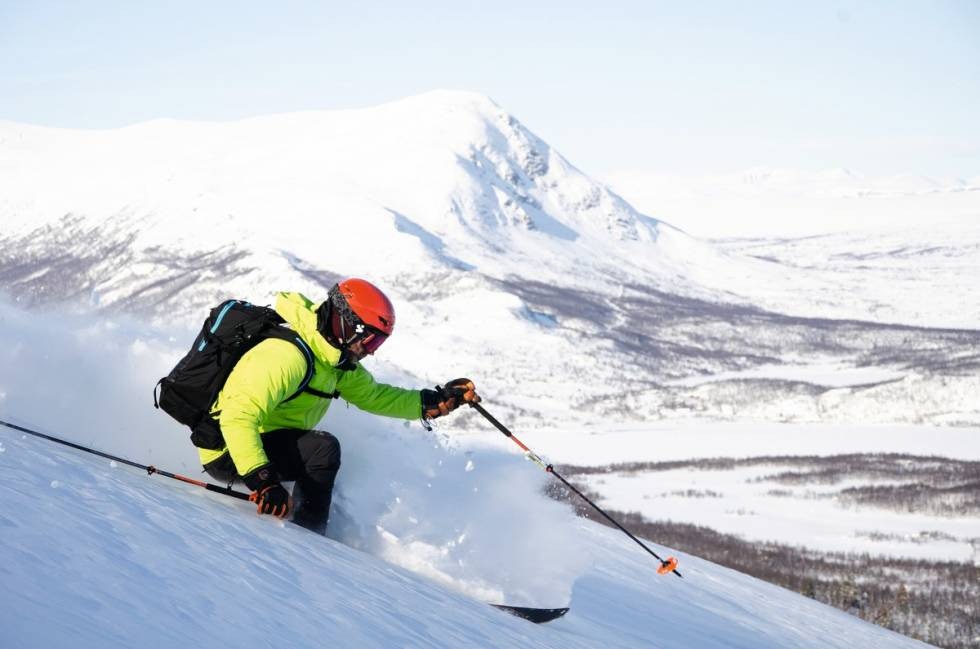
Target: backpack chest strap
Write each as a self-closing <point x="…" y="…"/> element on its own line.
<point x="323" y="395"/>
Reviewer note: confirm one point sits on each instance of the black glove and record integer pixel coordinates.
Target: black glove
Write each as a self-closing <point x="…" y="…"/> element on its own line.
<point x="444" y="399"/>
<point x="269" y="496"/>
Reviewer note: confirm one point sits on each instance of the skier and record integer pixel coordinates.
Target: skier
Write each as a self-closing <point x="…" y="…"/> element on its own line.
<point x="268" y="435"/>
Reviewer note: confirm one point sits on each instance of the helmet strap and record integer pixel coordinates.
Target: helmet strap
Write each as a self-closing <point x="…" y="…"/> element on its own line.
<point x="324" y="316"/>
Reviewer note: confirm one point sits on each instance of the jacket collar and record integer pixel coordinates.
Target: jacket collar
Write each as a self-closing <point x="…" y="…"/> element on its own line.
<point x="300" y="313"/>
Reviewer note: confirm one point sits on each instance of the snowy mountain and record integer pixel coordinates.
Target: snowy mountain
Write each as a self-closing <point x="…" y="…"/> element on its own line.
<point x="595" y="330"/>
<point x="466" y="217"/>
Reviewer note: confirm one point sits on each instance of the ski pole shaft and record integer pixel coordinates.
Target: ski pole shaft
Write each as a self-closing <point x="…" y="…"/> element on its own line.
<point x="551" y="469"/>
<point x="150" y="469"/>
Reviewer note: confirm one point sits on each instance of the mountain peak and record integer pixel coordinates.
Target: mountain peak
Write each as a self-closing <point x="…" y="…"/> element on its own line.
<point x="452" y="165"/>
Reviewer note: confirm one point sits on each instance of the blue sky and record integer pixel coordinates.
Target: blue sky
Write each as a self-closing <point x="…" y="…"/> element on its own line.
<point x="683" y="87"/>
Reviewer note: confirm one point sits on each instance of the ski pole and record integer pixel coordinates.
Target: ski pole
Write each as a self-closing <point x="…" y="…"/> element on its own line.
<point x="150" y="469"/>
<point x="666" y="565"/>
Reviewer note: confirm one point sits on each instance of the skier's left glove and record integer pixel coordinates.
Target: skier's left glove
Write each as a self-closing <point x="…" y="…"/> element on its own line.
<point x="444" y="399"/>
<point x="269" y="496"/>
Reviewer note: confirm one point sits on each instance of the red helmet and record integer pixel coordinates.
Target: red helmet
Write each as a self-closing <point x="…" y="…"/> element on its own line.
<point x="356" y="310"/>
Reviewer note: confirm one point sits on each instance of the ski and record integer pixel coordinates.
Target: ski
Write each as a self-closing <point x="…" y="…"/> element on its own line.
<point x="536" y="615"/>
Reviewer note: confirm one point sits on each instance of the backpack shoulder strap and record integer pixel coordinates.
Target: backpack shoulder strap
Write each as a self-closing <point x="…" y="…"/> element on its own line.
<point x="304" y="386"/>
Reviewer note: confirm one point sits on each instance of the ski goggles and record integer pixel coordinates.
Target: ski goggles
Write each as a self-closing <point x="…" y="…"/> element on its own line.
<point x="349" y="330"/>
<point x="372" y="339"/>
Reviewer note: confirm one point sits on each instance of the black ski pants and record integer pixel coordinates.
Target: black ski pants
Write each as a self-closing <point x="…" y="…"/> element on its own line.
<point x="310" y="458"/>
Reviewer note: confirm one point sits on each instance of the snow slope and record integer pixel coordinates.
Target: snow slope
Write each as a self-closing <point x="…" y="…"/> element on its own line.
<point x="425" y="527"/>
<point x="99" y="555"/>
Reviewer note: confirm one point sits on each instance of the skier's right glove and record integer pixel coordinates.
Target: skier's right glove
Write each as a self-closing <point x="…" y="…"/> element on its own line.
<point x="269" y="496"/>
<point x="444" y="399"/>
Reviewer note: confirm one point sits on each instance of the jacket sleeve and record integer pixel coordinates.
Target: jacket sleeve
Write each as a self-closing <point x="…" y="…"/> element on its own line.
<point x="262" y="379"/>
<point x="359" y="388"/>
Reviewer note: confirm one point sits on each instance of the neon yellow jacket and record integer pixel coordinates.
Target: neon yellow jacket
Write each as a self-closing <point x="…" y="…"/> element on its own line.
<point x="253" y="399"/>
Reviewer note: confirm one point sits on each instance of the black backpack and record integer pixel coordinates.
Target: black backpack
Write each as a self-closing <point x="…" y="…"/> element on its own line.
<point x="232" y="328"/>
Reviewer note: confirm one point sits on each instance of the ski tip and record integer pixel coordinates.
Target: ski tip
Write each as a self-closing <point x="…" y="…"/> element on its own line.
<point x="536" y="615"/>
<point x="668" y="565"/>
